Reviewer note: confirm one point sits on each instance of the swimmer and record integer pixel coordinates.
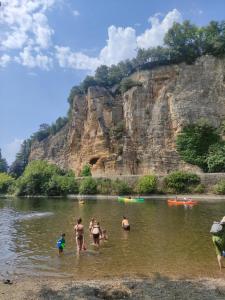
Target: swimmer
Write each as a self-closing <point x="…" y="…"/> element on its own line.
<point x="79" y="232"/>
<point x="61" y="243"/>
<point x="96" y="233"/>
<point x="125" y="224"/>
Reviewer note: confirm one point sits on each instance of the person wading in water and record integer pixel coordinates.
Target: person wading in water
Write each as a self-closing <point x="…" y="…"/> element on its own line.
<point x="218" y="239"/>
<point x="96" y="233"/>
<point x="125" y="224"/>
<point x="79" y="232"/>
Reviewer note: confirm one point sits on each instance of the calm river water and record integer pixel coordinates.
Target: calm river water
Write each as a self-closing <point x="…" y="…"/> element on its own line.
<point x="166" y="240"/>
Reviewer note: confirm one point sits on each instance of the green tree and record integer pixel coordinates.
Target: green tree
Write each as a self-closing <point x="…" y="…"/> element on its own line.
<point x="213" y="38"/>
<point x="21" y="161"/>
<point x="180" y="181"/>
<point x="194" y="141"/>
<point x="86" y="171"/>
<point x="184" y="41"/>
<point x="35" y="178"/>
<point x="5" y="182"/>
<point x="3" y="164"/>
<point x="76" y="90"/>
<point x="101" y="75"/>
<point x="216" y="158"/>
<point x="62" y="185"/>
<point x="219" y="188"/>
<point x="88" y="186"/>
<point x="88" y="82"/>
<point x="121" y="187"/>
<point x="115" y="75"/>
<point x="127" y="83"/>
<point x="126" y="67"/>
<point x="147" y="184"/>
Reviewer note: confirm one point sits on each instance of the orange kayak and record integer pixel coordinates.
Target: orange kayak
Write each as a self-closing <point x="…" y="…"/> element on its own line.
<point x="181" y="202"/>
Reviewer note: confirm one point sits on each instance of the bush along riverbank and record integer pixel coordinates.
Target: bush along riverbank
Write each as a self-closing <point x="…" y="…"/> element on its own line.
<point x="44" y="179"/>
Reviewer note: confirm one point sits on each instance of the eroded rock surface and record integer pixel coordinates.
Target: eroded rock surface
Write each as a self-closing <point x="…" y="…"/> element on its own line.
<point x="135" y="133"/>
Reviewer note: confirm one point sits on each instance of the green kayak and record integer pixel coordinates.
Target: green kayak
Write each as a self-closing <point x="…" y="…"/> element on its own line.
<point x="133" y="200"/>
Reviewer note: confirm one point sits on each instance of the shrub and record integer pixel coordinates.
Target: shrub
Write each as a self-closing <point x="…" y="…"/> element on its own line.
<point x="180" y="181"/>
<point x="194" y="141"/>
<point x="42" y="178"/>
<point x="61" y="185"/>
<point x="219" y="188"/>
<point x="120" y="187"/>
<point x="104" y="186"/>
<point x="127" y="84"/>
<point x="5" y="182"/>
<point x="146" y="184"/>
<point x="216" y="158"/>
<point x="88" y="186"/>
<point x="199" y="189"/>
<point x="86" y="171"/>
<point x="34" y="180"/>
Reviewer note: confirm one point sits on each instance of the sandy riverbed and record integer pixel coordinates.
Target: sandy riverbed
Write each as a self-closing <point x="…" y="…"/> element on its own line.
<point x="158" y="287"/>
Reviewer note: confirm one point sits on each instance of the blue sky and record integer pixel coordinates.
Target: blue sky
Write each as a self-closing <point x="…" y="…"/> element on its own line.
<point x="47" y="46"/>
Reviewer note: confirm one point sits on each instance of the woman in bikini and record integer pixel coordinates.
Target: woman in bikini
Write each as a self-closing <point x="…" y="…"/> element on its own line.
<point x="96" y="232"/>
<point x="125" y="224"/>
<point x="79" y="232"/>
<point x="91" y="224"/>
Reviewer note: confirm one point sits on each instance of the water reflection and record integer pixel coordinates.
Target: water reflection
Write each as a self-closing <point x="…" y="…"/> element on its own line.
<point x="167" y="240"/>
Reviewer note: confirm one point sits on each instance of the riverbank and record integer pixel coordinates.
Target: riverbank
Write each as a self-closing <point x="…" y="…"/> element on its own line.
<point x="158" y="287"/>
<point x="199" y="197"/>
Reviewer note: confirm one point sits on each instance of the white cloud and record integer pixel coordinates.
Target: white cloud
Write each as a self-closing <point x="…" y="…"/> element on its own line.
<point x="76" y="13"/>
<point x="27" y="32"/>
<point x="4" y="60"/>
<point x="15" y="40"/>
<point x="34" y="59"/>
<point x="122" y="43"/>
<point x="26" y="23"/>
<point x="154" y="35"/>
<point x="10" y="150"/>
<point x="25" y="28"/>
<point x="42" y="30"/>
<point x="77" y="60"/>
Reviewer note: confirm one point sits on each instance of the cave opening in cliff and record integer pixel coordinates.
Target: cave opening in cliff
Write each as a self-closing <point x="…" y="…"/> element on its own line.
<point x="94" y="160"/>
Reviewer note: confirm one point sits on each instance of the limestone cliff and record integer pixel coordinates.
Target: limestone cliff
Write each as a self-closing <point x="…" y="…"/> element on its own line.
<point x="135" y="133"/>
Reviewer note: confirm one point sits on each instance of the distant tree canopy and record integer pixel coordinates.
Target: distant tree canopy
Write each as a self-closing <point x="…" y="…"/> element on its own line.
<point x="182" y="43"/>
<point x="18" y="166"/>
<point x="3" y="164"/>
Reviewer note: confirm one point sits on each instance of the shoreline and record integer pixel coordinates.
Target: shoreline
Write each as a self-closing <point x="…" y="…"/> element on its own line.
<point x="199" y="197"/>
<point x="156" y="287"/>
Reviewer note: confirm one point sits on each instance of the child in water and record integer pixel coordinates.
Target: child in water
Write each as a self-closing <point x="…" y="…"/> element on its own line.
<point x="61" y="243"/>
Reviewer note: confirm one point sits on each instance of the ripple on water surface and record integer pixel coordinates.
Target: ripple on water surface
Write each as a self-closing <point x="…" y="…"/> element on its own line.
<point x="166" y="240"/>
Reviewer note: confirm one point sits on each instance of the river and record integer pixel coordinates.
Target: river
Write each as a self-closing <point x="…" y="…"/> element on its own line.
<point x="171" y="241"/>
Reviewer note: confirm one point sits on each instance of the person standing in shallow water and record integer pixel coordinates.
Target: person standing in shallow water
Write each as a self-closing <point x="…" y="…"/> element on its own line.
<point x="125" y="224"/>
<point x="96" y="233"/>
<point x="219" y="243"/>
<point x="79" y="233"/>
<point x="91" y="224"/>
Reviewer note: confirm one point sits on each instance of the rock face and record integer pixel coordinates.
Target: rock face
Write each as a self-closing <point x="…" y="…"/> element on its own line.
<point x="135" y="133"/>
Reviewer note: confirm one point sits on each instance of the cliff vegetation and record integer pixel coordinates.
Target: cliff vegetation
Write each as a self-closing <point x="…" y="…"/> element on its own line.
<point x="142" y="115"/>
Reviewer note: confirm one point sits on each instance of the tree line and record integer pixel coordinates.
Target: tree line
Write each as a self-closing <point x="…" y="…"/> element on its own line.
<point x="182" y="43"/>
